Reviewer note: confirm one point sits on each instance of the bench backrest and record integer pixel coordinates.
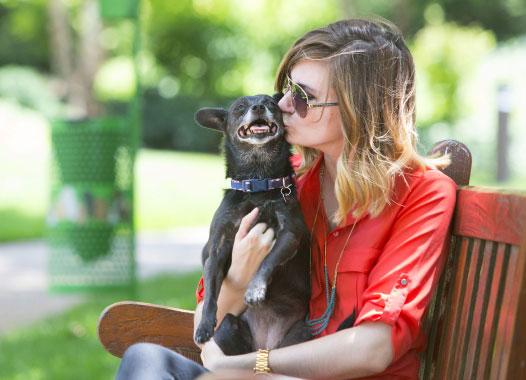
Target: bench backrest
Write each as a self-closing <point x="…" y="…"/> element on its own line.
<point x="476" y="323"/>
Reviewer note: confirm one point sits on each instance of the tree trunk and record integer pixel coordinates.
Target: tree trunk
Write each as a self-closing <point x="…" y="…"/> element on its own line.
<point x="90" y="53"/>
<point x="60" y="36"/>
<point x="76" y="70"/>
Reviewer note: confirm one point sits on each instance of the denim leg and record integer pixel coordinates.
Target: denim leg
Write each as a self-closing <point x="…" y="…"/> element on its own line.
<point x="147" y="361"/>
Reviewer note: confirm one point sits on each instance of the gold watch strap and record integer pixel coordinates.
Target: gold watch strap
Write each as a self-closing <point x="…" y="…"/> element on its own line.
<point x="262" y="362"/>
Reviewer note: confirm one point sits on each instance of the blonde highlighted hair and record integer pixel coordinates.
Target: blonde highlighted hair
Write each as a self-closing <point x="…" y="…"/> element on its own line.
<point x="373" y="75"/>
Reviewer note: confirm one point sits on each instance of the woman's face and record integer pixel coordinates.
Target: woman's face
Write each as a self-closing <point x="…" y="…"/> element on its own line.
<point x="321" y="127"/>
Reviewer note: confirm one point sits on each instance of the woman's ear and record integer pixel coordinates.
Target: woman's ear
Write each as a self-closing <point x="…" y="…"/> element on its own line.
<point x="213" y="118"/>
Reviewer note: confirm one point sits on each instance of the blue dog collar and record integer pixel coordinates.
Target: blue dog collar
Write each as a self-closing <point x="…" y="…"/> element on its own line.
<point x="258" y="185"/>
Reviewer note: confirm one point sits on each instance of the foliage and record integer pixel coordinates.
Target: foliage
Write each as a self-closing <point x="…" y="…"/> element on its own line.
<point x="445" y="54"/>
<point x="222" y="49"/>
<point x="115" y="80"/>
<point x="506" y="18"/>
<point x="66" y="346"/>
<point x="22" y="34"/>
<point x="29" y="88"/>
<point x="168" y="123"/>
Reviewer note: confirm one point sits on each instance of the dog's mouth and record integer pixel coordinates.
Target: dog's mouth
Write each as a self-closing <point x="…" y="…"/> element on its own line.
<point x="259" y="128"/>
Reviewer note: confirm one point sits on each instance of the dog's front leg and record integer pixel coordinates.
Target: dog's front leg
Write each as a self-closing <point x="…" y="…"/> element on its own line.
<point x="284" y="249"/>
<point x="214" y="273"/>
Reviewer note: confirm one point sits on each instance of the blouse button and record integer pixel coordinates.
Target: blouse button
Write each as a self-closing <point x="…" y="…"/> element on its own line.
<point x="336" y="233"/>
<point x="403" y="282"/>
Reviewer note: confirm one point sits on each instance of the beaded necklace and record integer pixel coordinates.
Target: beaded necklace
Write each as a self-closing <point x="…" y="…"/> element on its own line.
<point x="318" y="325"/>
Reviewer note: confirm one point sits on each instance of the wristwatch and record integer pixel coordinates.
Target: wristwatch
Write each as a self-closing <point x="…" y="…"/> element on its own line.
<point x="262" y="362"/>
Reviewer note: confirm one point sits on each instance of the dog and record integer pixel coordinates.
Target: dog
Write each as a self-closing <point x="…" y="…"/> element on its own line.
<point x="257" y="161"/>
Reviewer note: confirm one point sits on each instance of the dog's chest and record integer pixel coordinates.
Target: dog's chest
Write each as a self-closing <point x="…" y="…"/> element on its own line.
<point x="271" y="211"/>
<point x="267" y="327"/>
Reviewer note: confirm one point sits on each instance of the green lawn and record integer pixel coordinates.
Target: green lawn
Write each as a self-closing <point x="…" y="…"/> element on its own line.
<point x="177" y="189"/>
<point x="66" y="346"/>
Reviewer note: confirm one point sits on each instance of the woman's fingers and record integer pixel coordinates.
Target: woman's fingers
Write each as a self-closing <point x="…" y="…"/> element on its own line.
<point x="268" y="237"/>
<point x="258" y="229"/>
<point x="246" y="222"/>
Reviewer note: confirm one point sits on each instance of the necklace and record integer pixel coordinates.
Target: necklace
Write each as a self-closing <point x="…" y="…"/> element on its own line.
<point x="318" y="325"/>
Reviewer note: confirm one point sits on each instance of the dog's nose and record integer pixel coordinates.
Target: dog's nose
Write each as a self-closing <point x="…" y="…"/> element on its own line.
<point x="258" y="108"/>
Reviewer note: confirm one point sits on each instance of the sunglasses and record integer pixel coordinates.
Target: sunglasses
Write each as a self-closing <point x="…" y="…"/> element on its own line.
<point x="300" y="99"/>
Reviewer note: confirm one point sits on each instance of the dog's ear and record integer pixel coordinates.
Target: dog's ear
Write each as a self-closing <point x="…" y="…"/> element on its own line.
<point x="213" y="118"/>
<point x="277" y="96"/>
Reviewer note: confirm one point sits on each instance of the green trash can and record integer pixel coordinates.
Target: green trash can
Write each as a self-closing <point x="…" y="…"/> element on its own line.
<point x="90" y="229"/>
<point x="86" y="149"/>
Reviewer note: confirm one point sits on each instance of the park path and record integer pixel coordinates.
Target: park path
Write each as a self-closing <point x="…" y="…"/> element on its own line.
<point x="23" y="283"/>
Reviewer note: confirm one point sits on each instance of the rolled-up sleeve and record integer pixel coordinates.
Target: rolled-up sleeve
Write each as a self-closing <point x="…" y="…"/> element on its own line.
<point x="402" y="281"/>
<point x="200" y="290"/>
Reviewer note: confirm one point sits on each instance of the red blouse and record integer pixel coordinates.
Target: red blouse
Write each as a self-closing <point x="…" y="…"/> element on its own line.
<point x="390" y="265"/>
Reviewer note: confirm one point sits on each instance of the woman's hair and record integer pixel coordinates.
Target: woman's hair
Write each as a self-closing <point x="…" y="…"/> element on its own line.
<point x="373" y="76"/>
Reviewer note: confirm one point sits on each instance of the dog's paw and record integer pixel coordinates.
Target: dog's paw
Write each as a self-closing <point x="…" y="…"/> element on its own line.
<point x="204" y="332"/>
<point x="255" y="294"/>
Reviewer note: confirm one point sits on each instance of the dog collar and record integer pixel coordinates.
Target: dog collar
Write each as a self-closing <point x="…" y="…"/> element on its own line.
<point x="258" y="185"/>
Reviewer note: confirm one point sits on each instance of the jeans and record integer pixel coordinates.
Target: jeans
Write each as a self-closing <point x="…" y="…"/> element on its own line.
<point x="147" y="361"/>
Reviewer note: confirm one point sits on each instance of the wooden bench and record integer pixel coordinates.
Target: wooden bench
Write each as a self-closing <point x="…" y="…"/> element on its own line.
<point x="476" y="322"/>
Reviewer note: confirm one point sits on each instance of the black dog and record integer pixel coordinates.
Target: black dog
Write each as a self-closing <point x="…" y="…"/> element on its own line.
<point x="257" y="160"/>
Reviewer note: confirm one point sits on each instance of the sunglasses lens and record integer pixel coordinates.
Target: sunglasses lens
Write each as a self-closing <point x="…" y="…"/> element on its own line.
<point x="299" y="99"/>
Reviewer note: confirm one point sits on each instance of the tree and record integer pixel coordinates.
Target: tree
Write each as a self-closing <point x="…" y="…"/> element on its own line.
<point x="76" y="62"/>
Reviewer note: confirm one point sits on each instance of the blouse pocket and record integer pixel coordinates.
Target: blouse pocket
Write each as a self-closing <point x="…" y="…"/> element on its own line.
<point x="358" y="260"/>
<point x="353" y="272"/>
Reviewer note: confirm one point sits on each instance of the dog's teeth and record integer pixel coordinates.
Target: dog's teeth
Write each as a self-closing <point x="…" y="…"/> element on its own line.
<point x="257" y="129"/>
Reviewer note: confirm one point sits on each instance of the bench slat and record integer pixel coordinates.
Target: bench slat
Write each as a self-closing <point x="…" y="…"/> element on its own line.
<point x="503" y="341"/>
<point x="492" y="267"/>
<point x="475" y="338"/>
<point x="473" y="306"/>
<point x="517" y="358"/>
<point x="436" y="313"/>
<point x="459" y="312"/>
<point x="124" y="323"/>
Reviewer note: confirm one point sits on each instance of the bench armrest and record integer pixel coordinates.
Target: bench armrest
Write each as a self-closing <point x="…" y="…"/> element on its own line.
<point x="125" y="323"/>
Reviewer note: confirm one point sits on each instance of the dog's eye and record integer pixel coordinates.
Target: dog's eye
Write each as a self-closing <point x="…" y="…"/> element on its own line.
<point x="271" y="106"/>
<point x="240" y="108"/>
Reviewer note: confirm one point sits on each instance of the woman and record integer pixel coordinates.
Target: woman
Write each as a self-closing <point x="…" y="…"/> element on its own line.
<point x="378" y="211"/>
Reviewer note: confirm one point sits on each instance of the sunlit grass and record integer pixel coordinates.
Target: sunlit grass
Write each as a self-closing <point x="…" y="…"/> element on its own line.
<point x="66" y="346"/>
<point x="177" y="189"/>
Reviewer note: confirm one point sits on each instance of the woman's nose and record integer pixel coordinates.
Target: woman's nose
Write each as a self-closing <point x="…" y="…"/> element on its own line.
<point x="285" y="103"/>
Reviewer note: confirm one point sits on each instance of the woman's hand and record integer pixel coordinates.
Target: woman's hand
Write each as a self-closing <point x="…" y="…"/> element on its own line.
<point x="251" y="246"/>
